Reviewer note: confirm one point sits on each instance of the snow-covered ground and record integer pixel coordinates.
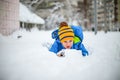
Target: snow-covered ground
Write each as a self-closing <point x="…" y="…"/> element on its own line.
<point x="28" y="58"/>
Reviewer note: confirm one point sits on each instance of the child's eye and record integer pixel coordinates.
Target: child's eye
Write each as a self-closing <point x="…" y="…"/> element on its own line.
<point x="70" y="41"/>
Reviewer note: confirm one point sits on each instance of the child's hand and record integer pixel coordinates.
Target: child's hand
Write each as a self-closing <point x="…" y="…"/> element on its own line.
<point x="85" y="54"/>
<point x="61" y="53"/>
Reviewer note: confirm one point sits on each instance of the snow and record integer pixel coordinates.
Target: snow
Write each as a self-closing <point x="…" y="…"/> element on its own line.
<point x="27" y="58"/>
<point x="27" y="16"/>
<point x="57" y="6"/>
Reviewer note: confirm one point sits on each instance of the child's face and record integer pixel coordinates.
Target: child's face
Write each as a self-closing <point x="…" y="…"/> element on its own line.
<point x="68" y="44"/>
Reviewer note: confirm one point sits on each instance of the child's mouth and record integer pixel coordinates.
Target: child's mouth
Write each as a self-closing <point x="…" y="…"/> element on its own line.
<point x="68" y="47"/>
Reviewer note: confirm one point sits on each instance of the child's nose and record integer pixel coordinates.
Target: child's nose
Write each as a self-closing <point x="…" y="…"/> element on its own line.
<point x="68" y="43"/>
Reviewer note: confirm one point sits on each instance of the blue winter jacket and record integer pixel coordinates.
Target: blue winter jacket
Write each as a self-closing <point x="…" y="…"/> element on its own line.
<point x="57" y="46"/>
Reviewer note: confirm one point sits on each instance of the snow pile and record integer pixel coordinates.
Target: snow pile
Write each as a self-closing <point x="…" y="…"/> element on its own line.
<point x="28" y="58"/>
<point x="27" y="16"/>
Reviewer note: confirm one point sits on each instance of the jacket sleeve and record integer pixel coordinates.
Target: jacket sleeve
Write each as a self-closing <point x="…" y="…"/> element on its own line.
<point x="83" y="49"/>
<point x="54" y="47"/>
<point x="55" y="34"/>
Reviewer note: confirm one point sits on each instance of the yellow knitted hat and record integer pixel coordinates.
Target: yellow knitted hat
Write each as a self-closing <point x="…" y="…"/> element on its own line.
<point x="65" y="33"/>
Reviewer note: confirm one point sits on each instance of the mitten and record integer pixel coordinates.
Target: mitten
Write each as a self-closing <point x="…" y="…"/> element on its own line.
<point x="61" y="53"/>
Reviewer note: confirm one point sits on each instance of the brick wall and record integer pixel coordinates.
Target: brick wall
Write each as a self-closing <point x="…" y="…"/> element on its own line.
<point x="9" y="16"/>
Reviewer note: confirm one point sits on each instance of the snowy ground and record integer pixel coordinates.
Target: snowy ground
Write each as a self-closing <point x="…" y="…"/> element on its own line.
<point x="27" y="58"/>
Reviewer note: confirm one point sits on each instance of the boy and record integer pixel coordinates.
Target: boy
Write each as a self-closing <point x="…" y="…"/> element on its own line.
<point x="67" y="37"/>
